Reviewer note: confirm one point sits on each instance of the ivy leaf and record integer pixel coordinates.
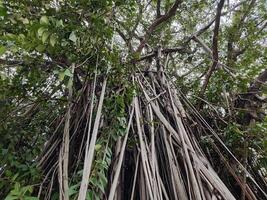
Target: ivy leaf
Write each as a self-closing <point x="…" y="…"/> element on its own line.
<point x="44" y="20"/>
<point x="73" y="37"/>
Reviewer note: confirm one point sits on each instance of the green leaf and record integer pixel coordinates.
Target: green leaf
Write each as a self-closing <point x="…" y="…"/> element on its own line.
<point x="16" y="187"/>
<point x="68" y="73"/>
<point x="61" y="76"/>
<point x="24" y="20"/>
<point x="40" y="48"/>
<point x="2" y="50"/>
<point x="15" y="176"/>
<point x="103" y="178"/>
<point x="12" y="20"/>
<point x="3" y="11"/>
<point x="45" y="36"/>
<point x="10" y="197"/>
<point x="96" y="197"/>
<point x="89" y="195"/>
<point x="53" y="39"/>
<point x="31" y="198"/>
<point x="73" y="37"/>
<point x="15" y="192"/>
<point x="97" y="147"/>
<point x="93" y="181"/>
<point x="70" y="83"/>
<point x="101" y="187"/>
<point x="44" y="20"/>
<point x="55" y="72"/>
<point x="73" y="190"/>
<point x="41" y="31"/>
<point x="59" y="23"/>
<point x="21" y="36"/>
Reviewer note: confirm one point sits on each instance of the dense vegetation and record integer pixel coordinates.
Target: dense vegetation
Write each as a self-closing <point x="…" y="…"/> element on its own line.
<point x="72" y="72"/>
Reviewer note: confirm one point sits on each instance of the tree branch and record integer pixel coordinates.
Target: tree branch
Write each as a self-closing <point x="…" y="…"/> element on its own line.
<point x="214" y="48"/>
<point x="209" y="52"/>
<point x="125" y="39"/>
<point x="204" y="28"/>
<point x="164" y="51"/>
<point x="158" y="9"/>
<point x="157" y="22"/>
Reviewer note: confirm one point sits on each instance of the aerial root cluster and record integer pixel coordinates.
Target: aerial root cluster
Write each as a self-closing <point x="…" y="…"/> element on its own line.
<point x="166" y="161"/>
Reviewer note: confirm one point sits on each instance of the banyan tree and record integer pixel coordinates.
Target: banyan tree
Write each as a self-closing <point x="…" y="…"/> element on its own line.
<point x="135" y="99"/>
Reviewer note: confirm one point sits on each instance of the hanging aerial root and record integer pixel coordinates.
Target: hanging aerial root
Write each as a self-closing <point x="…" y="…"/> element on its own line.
<point x="166" y="160"/>
<point x="90" y="151"/>
<point x="197" y="171"/>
